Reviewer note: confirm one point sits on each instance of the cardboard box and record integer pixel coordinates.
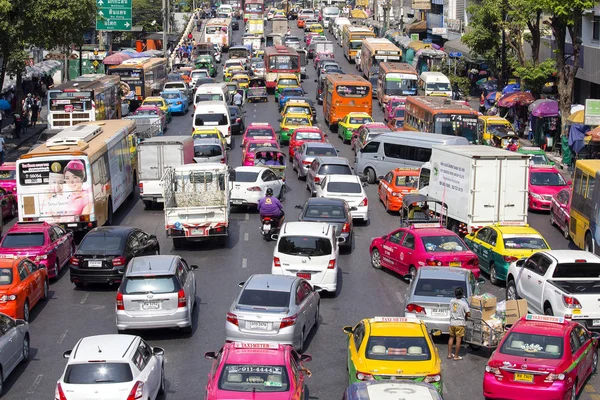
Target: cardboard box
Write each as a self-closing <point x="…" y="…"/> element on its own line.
<point x="515" y="309"/>
<point x="486" y="306"/>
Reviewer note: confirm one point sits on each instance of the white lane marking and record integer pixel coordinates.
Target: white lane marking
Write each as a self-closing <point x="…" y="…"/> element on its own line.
<point x="35" y="384"/>
<point x="245" y="236"/>
<point x="85" y="297"/>
<point x="244" y="262"/>
<point x="400" y="297"/>
<point x="62" y="337"/>
<point x="247" y="216"/>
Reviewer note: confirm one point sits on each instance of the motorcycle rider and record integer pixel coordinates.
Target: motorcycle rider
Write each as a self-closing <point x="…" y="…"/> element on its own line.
<point x="270" y="206"/>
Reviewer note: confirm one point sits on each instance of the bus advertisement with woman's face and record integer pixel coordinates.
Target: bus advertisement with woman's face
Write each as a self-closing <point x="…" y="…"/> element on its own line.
<point x="56" y="190"/>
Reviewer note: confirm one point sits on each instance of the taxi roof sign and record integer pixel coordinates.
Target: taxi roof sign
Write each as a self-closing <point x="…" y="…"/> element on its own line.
<point x="248" y="345"/>
<point x="545" y="318"/>
<point x="511" y="223"/>
<point x="395" y="319"/>
<point x="260" y="124"/>
<point x="426" y="225"/>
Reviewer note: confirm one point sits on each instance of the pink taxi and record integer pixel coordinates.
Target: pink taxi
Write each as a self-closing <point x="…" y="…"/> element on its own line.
<point x="541" y="357"/>
<point x="257" y="371"/>
<point x="8" y="179"/>
<point x="560" y="211"/>
<point x="404" y="250"/>
<point x="390" y="106"/>
<point x="252" y="146"/>
<point x="258" y="131"/>
<point x="44" y="243"/>
<point x="544" y="182"/>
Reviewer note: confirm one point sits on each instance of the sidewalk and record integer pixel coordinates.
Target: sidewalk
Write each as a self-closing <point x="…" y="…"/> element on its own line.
<point x="12" y="144"/>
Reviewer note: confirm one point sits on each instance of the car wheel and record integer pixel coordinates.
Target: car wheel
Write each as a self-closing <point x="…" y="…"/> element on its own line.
<point x="511" y="290"/>
<point x="595" y="362"/>
<point x="548" y="310"/>
<point x="566" y="232"/>
<point x="493" y="275"/>
<point x="413" y="271"/>
<point x="589" y="244"/>
<point x="161" y="389"/>
<point x="78" y="285"/>
<point x="56" y="269"/>
<point x="1" y="382"/>
<point x="552" y="220"/>
<point x="376" y="259"/>
<point x="26" y="311"/>
<point x="574" y="391"/>
<point x="370" y="175"/>
<point x="45" y="294"/>
<point x="25" y="348"/>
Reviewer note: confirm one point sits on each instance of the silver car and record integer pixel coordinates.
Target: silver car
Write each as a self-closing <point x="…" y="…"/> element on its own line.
<point x="209" y="150"/>
<point x="431" y="290"/>
<point x="322" y="166"/>
<point x="14" y="345"/>
<point x="304" y="156"/>
<point x="157" y="292"/>
<point x="273" y="308"/>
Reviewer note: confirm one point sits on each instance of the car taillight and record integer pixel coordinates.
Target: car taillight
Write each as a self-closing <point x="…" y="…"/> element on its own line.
<point x="141" y="185"/>
<point x="254" y="189"/>
<point x="317" y="179"/>
<point x="364" y="203"/>
<point x="119" y="261"/>
<point x="363" y="376"/>
<point x="120" y="305"/>
<point x="178" y="103"/>
<point x="415" y="308"/>
<point x="223" y="160"/>
<point x="308" y="163"/>
<point x="276" y="262"/>
<point x="433" y="263"/>
<point x="229" y="130"/>
<point x="346" y="227"/>
<point x="510" y="259"/>
<point x="238" y="120"/>
<point x="137" y="391"/>
<point x="181" y="300"/>
<point x="432" y="378"/>
<point x="288" y="321"/>
<point x="59" y="394"/>
<point x="232" y="318"/>
<point x="571" y="302"/>
<point x="555" y="377"/>
<point x="473" y="261"/>
<point x="331" y="264"/>
<point x="74" y="261"/>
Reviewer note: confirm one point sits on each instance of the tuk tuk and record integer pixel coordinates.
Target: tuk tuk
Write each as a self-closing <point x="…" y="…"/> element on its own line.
<point x="505" y="140"/>
<point x="206" y="61"/>
<point x="272" y="158"/>
<point x="255" y="94"/>
<point x="274" y="39"/>
<point x="303" y="61"/>
<point x="257" y="83"/>
<point x="421" y="209"/>
<point x="490" y="126"/>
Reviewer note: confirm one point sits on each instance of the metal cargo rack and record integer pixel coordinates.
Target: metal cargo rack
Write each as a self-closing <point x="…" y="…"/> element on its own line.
<point x="147" y="127"/>
<point x="478" y="333"/>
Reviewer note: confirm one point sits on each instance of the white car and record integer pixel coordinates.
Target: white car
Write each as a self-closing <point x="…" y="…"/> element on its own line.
<point x="349" y="188"/>
<point x="308" y="250"/>
<point x="249" y="185"/>
<point x="117" y="366"/>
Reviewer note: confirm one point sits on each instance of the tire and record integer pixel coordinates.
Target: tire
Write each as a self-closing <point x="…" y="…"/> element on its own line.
<point x="595" y="363"/>
<point x="45" y="295"/>
<point x="548" y="311"/>
<point x="493" y="275"/>
<point x="109" y="216"/>
<point x="56" y="268"/>
<point x="26" y="348"/>
<point x="370" y="175"/>
<point x="511" y="290"/>
<point x="187" y="329"/>
<point x="78" y="285"/>
<point x="376" y="259"/>
<point x="148" y="204"/>
<point x="566" y="231"/>
<point x="474" y="347"/>
<point x="589" y="244"/>
<point x="412" y="270"/>
<point x="26" y="315"/>
<point x="574" y="391"/>
<point x="552" y="220"/>
<point x="161" y="389"/>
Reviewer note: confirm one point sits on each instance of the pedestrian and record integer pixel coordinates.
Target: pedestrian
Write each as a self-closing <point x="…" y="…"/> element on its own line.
<point x="35" y="109"/>
<point x="238" y="98"/>
<point x="459" y="312"/>
<point x="18" y="122"/>
<point x="2" y="143"/>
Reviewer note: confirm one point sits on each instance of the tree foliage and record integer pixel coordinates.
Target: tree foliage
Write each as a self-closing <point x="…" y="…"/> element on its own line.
<point x="483" y="38"/>
<point x="534" y="77"/>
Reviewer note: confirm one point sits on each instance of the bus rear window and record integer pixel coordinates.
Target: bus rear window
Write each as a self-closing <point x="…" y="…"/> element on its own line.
<point x="353" y="91"/>
<point x="284" y="62"/>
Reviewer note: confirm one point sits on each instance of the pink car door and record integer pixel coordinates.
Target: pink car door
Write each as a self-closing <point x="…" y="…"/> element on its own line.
<point x="63" y="244"/>
<point x="407" y="253"/>
<point x="391" y="251"/>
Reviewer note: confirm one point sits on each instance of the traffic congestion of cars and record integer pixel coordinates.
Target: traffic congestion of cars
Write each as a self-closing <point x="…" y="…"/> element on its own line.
<point x="362" y="272"/>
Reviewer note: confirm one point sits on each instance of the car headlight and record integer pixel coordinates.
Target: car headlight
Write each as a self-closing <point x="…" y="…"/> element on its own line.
<point x="536" y="196"/>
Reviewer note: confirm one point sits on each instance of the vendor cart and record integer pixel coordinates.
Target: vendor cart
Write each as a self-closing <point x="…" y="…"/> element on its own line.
<point x="272" y="158"/>
<point x="480" y="333"/>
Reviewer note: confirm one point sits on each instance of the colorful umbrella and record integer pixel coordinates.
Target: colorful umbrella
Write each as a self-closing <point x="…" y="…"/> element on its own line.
<point x="4" y="105"/>
<point x="516" y="99"/>
<point x="546" y="109"/>
<point x="511" y="88"/>
<point x="535" y="104"/>
<point x="493" y="97"/>
<point x="577" y="117"/>
<point x="484" y="80"/>
<point x="594" y="132"/>
<point x="116" y="59"/>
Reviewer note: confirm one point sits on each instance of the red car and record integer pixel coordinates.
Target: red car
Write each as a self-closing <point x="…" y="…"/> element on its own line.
<point x="302" y="135"/>
<point x="44" y="243"/>
<point x="258" y="131"/>
<point x="560" y="211"/>
<point x="541" y="357"/>
<point x="544" y="182"/>
<point x="8" y="180"/>
<point x="407" y="249"/>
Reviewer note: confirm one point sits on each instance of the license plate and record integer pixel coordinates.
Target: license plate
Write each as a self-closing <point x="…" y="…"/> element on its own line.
<point x="237" y="201"/>
<point x="72" y="225"/>
<point x="523" y="378"/>
<point x="455" y="264"/>
<point x="151" y="305"/>
<point x="266" y="227"/>
<point x="439" y="312"/>
<point x="596" y="322"/>
<point x="304" y="275"/>
<point x="198" y="232"/>
<point x="259" y="325"/>
<point x="95" y="264"/>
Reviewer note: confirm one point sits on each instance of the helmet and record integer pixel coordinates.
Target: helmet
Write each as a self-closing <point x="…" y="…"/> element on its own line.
<point x="269" y="192"/>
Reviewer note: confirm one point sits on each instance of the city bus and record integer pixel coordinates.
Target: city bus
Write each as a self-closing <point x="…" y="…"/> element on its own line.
<point x="141" y="78"/>
<point x="254" y="9"/>
<point x="396" y="79"/>
<point x="584" y="224"/>
<point x="79" y="177"/>
<point x="344" y="94"/>
<point x="92" y="97"/>
<point x="352" y="37"/>
<point x="440" y="115"/>
<point x="375" y="51"/>
<point x="280" y="60"/>
<point x="218" y="30"/>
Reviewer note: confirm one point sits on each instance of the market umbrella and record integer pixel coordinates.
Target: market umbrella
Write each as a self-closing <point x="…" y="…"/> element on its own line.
<point x="546" y="109"/>
<point x="4" y="105"/>
<point x="536" y="103"/>
<point x="594" y="132"/>
<point x="577" y="117"/>
<point x="489" y="86"/>
<point x="511" y="88"/>
<point x="484" y="80"/>
<point x="116" y="59"/>
<point x="493" y="97"/>
<point x="516" y="99"/>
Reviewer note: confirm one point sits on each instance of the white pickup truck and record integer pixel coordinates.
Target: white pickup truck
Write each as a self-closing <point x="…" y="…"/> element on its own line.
<point x="564" y="283"/>
<point x="196" y="202"/>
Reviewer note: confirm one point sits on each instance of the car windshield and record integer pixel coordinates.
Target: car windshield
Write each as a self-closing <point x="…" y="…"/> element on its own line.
<point x="209" y="97"/>
<point x="98" y="372"/>
<point x="8" y="175"/>
<point x="308" y="136"/>
<point x="264" y="298"/>
<point x="170" y="96"/>
<point x="292" y="92"/>
<point x="539" y="159"/>
<point x="175" y="85"/>
<point x="438" y="287"/>
<point x="359" y="120"/>
<point x="144" y="285"/>
<point x="292" y="39"/>
<point x="6" y="276"/>
<point x="439" y="86"/>
<point x="207" y="150"/>
<point x="305" y="246"/>
<point x="200" y="74"/>
<point x="20" y="240"/>
<point x="396" y="103"/>
<point x="259" y="145"/>
<point x="397" y="348"/>
<point x="298" y="110"/>
<point x="406" y="181"/>
<point x="245" y="176"/>
<point x="335" y="169"/>
<point x="254" y="378"/>
<point x="210" y="119"/>
<point x="146" y="112"/>
<point x="287" y="82"/>
<point x="532" y="346"/>
<point x="325" y="212"/>
<point x="260" y="132"/>
<point x="442" y="244"/>
<point x="547" y="179"/>
<point x="100" y="243"/>
<point x="355" y="44"/>
<point x="320" y="151"/>
<point x="344" y="187"/>
<point x="297" y="121"/>
<point x="499" y="129"/>
<point x="153" y="103"/>
<point x="532" y="241"/>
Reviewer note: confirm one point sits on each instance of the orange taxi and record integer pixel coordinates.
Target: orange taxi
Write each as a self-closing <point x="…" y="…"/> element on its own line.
<point x="395" y="184"/>
<point x="22" y="285"/>
<point x="186" y="74"/>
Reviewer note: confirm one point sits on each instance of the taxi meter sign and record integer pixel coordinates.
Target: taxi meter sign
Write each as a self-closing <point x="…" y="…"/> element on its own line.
<point x="393" y="319"/>
<point x="245" y="345"/>
<point x="545" y="318"/>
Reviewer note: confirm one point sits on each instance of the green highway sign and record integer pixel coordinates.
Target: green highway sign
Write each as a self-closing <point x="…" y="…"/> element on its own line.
<point x="113" y="15"/>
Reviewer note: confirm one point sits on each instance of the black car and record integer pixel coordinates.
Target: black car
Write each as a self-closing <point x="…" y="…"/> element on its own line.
<point x="237" y="120"/>
<point x="235" y="25"/>
<point x="104" y="253"/>
<point x="292" y="14"/>
<point x="335" y="212"/>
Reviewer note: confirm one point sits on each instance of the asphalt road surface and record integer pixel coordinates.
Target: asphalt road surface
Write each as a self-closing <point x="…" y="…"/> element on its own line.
<point x="364" y="292"/>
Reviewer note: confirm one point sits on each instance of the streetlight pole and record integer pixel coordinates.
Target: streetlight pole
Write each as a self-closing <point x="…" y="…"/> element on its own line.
<point x="164" y="27"/>
<point x="401" y="16"/>
<point x="386" y="16"/>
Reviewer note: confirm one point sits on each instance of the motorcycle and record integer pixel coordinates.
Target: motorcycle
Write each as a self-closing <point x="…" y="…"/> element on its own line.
<point x="268" y="227"/>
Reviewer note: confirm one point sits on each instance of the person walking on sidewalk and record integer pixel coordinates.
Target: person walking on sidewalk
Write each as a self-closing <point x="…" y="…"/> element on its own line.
<point x="18" y="122"/>
<point x="459" y="312"/>
<point x="35" y="109"/>
<point x="2" y="143"/>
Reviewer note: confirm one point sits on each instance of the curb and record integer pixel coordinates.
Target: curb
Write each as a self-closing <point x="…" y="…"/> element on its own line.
<point x="25" y="140"/>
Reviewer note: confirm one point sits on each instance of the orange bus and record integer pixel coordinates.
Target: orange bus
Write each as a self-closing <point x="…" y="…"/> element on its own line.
<point x="280" y="60"/>
<point x="440" y="115"/>
<point x="345" y="93"/>
<point x="396" y="79"/>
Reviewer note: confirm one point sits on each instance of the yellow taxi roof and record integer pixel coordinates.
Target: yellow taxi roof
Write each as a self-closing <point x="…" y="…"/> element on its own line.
<point x="241" y="76"/>
<point x="405" y="326"/>
<point x="490" y="118"/>
<point x="207" y="130"/>
<point x="287" y="76"/>
<point x="316" y="26"/>
<point x="154" y="98"/>
<point x="516" y="229"/>
<point x="359" y="114"/>
<point x="296" y="103"/>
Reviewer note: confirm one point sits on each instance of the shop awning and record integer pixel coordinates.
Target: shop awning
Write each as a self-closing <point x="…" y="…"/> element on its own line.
<point x="417" y="27"/>
<point x="456" y="46"/>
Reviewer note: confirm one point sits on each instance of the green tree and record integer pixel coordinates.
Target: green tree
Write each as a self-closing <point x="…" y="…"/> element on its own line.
<point x="483" y="38"/>
<point x="533" y="77"/>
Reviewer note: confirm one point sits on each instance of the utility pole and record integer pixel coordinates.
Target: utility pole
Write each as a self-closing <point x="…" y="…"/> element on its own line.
<point x="504" y="77"/>
<point x="375" y="10"/>
<point x="168" y="16"/>
<point x="387" y="5"/>
<point x="165" y="27"/>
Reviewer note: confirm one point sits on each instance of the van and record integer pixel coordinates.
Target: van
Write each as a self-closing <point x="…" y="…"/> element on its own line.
<point x="212" y="92"/>
<point x="389" y="151"/>
<point x="434" y="84"/>
<point x="213" y="114"/>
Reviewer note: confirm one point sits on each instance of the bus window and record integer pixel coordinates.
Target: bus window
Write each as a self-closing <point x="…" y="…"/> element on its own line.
<point x="352" y="91"/>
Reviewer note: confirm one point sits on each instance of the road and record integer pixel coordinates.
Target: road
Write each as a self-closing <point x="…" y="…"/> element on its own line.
<point x="364" y="292"/>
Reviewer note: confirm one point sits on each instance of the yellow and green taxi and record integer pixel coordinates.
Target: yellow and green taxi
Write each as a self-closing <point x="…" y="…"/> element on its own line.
<point x="352" y="122"/>
<point x="297" y="107"/>
<point x="315" y="28"/>
<point x="209" y="133"/>
<point x="279" y="14"/>
<point x="498" y="245"/>
<point x="383" y="348"/>
<point x="159" y="102"/>
<point x="230" y="70"/>
<point x="289" y="123"/>
<point x="243" y="80"/>
<point x="285" y="81"/>
<point x="490" y="127"/>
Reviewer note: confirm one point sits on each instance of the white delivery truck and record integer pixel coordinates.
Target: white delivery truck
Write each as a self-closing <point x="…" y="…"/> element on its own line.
<point x="481" y="185"/>
<point x="196" y="202"/>
<point x="154" y="155"/>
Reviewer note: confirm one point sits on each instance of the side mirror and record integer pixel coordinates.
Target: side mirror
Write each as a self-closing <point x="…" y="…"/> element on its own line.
<point x="210" y="355"/>
<point x="274" y="236"/>
<point x="520" y="263"/>
<point x="20" y="322"/>
<point x="305" y="358"/>
<point x="480" y="281"/>
<point x="67" y="354"/>
<point x="380" y="177"/>
<point x="569" y="183"/>
<point x="194" y="267"/>
<point x="408" y="277"/>
<point x="158" y="351"/>
<point x="348" y="330"/>
<point x="435" y="332"/>
<point x="241" y="284"/>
